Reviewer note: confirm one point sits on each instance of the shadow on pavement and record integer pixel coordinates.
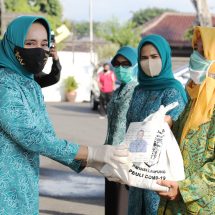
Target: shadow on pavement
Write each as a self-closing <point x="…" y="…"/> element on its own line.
<point x="89" y="201"/>
<point x="75" y="107"/>
<point x="83" y="187"/>
<point x="81" y="115"/>
<point x="57" y="213"/>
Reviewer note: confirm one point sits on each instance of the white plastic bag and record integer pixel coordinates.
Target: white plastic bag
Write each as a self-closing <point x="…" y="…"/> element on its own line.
<point x="156" y="156"/>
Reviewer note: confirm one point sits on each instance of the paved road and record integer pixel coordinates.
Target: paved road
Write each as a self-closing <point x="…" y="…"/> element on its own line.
<point x="62" y="191"/>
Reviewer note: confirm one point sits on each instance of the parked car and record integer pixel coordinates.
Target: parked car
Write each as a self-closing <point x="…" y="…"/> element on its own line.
<point x="182" y="74"/>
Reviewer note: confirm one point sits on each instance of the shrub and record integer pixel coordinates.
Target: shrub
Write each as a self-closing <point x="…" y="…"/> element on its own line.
<point x="70" y="84"/>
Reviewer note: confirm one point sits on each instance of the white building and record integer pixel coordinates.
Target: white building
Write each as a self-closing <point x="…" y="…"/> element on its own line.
<point x="77" y="64"/>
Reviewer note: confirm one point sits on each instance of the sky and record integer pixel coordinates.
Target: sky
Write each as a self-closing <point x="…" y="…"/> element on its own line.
<point x="103" y="10"/>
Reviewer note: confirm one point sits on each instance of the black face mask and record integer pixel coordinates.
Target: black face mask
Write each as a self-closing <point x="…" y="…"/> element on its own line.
<point x="33" y="59"/>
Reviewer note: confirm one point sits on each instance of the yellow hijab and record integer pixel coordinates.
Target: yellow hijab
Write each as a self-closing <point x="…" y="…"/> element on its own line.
<point x="202" y="96"/>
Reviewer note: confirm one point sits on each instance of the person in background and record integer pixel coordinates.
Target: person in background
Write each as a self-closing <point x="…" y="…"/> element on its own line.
<point x="157" y="86"/>
<point x="125" y="67"/>
<point x="106" y="82"/>
<point x="46" y="80"/>
<point x="195" y="133"/>
<point x="25" y="129"/>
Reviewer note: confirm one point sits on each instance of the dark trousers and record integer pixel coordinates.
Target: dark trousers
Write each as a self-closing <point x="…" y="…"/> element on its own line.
<point x="104" y="98"/>
<point x="116" y="198"/>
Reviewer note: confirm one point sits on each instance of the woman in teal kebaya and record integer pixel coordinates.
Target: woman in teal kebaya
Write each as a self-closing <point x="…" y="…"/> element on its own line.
<point x="25" y="129"/>
<point x="156" y="87"/>
<point x="125" y="68"/>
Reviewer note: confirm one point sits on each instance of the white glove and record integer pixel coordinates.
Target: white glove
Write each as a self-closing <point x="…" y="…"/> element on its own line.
<point x="118" y="174"/>
<point x="107" y="154"/>
<point x="111" y="174"/>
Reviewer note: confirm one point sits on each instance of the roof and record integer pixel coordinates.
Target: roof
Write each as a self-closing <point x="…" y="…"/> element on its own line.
<point x="172" y="26"/>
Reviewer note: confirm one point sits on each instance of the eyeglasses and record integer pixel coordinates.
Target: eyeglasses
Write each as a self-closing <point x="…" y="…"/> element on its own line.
<point x="124" y="64"/>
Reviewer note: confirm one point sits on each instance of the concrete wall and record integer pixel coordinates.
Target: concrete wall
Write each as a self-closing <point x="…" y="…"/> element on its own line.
<point x="75" y="64"/>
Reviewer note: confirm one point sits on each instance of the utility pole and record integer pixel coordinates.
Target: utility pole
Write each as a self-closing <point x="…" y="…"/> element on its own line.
<point x="203" y="17"/>
<point x="91" y="29"/>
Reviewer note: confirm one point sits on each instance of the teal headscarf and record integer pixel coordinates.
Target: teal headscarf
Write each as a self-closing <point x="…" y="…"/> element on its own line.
<point x="130" y="54"/>
<point x="15" y="36"/>
<point x="165" y="79"/>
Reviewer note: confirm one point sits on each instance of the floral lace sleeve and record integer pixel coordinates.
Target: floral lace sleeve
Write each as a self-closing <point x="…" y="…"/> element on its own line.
<point x="172" y="95"/>
<point x="198" y="188"/>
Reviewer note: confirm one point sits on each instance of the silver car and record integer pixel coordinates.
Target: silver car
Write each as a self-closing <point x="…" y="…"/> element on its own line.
<point x="182" y="74"/>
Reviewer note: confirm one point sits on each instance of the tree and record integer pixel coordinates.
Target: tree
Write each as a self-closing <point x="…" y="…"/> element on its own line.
<point x="142" y="16"/>
<point x="81" y="29"/>
<point x="51" y="9"/>
<point x="188" y="34"/>
<point x="121" y="34"/>
<point x="18" y="6"/>
<point x="106" y="52"/>
<point x="203" y="16"/>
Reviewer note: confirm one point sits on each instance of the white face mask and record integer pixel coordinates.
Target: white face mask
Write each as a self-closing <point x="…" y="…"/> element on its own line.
<point x="197" y="76"/>
<point x="199" y="67"/>
<point x="151" y="67"/>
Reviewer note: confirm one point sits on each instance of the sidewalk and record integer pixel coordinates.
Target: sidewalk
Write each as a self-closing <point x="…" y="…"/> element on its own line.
<point x="62" y="191"/>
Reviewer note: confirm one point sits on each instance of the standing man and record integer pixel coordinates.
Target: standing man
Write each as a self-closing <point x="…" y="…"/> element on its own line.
<point x="106" y="82"/>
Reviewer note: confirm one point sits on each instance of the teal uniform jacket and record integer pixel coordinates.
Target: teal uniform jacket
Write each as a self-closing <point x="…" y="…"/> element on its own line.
<point x="25" y="130"/>
<point x="148" y="96"/>
<point x="120" y="100"/>
<point x="116" y="113"/>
